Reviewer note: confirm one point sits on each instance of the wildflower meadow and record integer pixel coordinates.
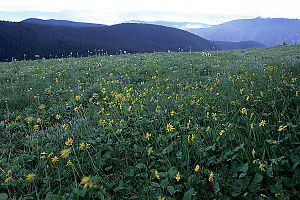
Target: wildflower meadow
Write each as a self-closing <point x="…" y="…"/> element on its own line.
<point x="176" y="125"/>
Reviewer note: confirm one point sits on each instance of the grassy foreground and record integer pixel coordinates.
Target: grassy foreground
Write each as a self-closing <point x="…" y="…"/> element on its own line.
<point x="152" y="126"/>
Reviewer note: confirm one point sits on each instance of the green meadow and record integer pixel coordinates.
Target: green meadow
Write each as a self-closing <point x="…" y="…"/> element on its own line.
<point x="152" y="126"/>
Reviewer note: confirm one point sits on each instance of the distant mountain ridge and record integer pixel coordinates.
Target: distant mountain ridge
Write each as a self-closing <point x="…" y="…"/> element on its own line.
<point x="268" y="31"/>
<point x="179" y="25"/>
<point x="22" y="39"/>
<point x="60" y="23"/>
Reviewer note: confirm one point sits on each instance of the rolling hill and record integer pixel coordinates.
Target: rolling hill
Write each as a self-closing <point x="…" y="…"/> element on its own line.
<point x="237" y="45"/>
<point x="19" y="38"/>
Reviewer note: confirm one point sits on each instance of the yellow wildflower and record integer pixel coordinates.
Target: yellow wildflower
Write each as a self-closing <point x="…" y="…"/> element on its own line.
<point x="149" y="151"/>
<point x="30" y="177"/>
<point x="188" y="124"/>
<point x="261" y="167"/>
<point x="81" y="145"/>
<point x="156" y="174"/>
<point x="57" y="116"/>
<point x="170" y="127"/>
<point x="161" y="198"/>
<point x="207" y="129"/>
<point x="197" y="168"/>
<point x="65" y="126"/>
<point x="69" y="142"/>
<point x="29" y="119"/>
<point x="55" y="159"/>
<point x="38" y="120"/>
<point x="211" y="176"/>
<point x="19" y="117"/>
<point x="69" y="163"/>
<point x="77" y="98"/>
<point x="222" y="131"/>
<point x="281" y="128"/>
<point x="86" y="181"/>
<point x="253" y="152"/>
<point x="178" y="176"/>
<point x="262" y="123"/>
<point x="42" y="106"/>
<point x="65" y="153"/>
<point x="43" y="155"/>
<point x="7" y="179"/>
<point x="36" y="126"/>
<point x="244" y="111"/>
<point x="147" y="136"/>
<point x="129" y="109"/>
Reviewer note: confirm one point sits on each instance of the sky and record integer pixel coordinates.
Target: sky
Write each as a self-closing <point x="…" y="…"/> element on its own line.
<point x="117" y="11"/>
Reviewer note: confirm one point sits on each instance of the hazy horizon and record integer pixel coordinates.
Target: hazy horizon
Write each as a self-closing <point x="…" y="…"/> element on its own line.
<point x="209" y="12"/>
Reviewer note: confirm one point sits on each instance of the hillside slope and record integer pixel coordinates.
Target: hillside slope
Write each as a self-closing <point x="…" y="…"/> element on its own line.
<point x="47" y="41"/>
<point x="268" y="31"/>
<point x="237" y="45"/>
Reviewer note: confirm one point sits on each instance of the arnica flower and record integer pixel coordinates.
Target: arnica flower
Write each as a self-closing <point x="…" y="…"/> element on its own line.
<point x="65" y="153"/>
<point x="42" y="106"/>
<point x="222" y="131"/>
<point x="261" y="167"/>
<point x="77" y="98"/>
<point x="170" y="127"/>
<point x="57" y="116"/>
<point x="38" y="120"/>
<point x="69" y="163"/>
<point x="197" y="168"/>
<point x="29" y="119"/>
<point x="178" y="176"/>
<point x="156" y="174"/>
<point x="149" y="151"/>
<point x="207" y="129"/>
<point x="253" y="153"/>
<point x="161" y="198"/>
<point x="244" y="111"/>
<point x="87" y="146"/>
<point x="87" y="181"/>
<point x="262" y="123"/>
<point x="211" y="176"/>
<point x="188" y="124"/>
<point x="55" y="159"/>
<point x="43" y="155"/>
<point x="69" y="142"/>
<point x="19" y="117"/>
<point x="81" y="145"/>
<point x="65" y="126"/>
<point x="7" y="179"/>
<point x="281" y="128"/>
<point x="30" y="177"/>
<point x="36" y="126"/>
<point x="147" y="136"/>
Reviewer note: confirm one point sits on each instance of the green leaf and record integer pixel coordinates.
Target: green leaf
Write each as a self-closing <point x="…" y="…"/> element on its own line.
<point x="140" y="165"/>
<point x="245" y="168"/>
<point x="216" y="187"/>
<point x="238" y="147"/>
<point x="189" y="194"/>
<point x="171" y="190"/>
<point x="3" y="196"/>
<point x="258" y="178"/>
<point x="164" y="183"/>
<point x="168" y="149"/>
<point x="51" y="196"/>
